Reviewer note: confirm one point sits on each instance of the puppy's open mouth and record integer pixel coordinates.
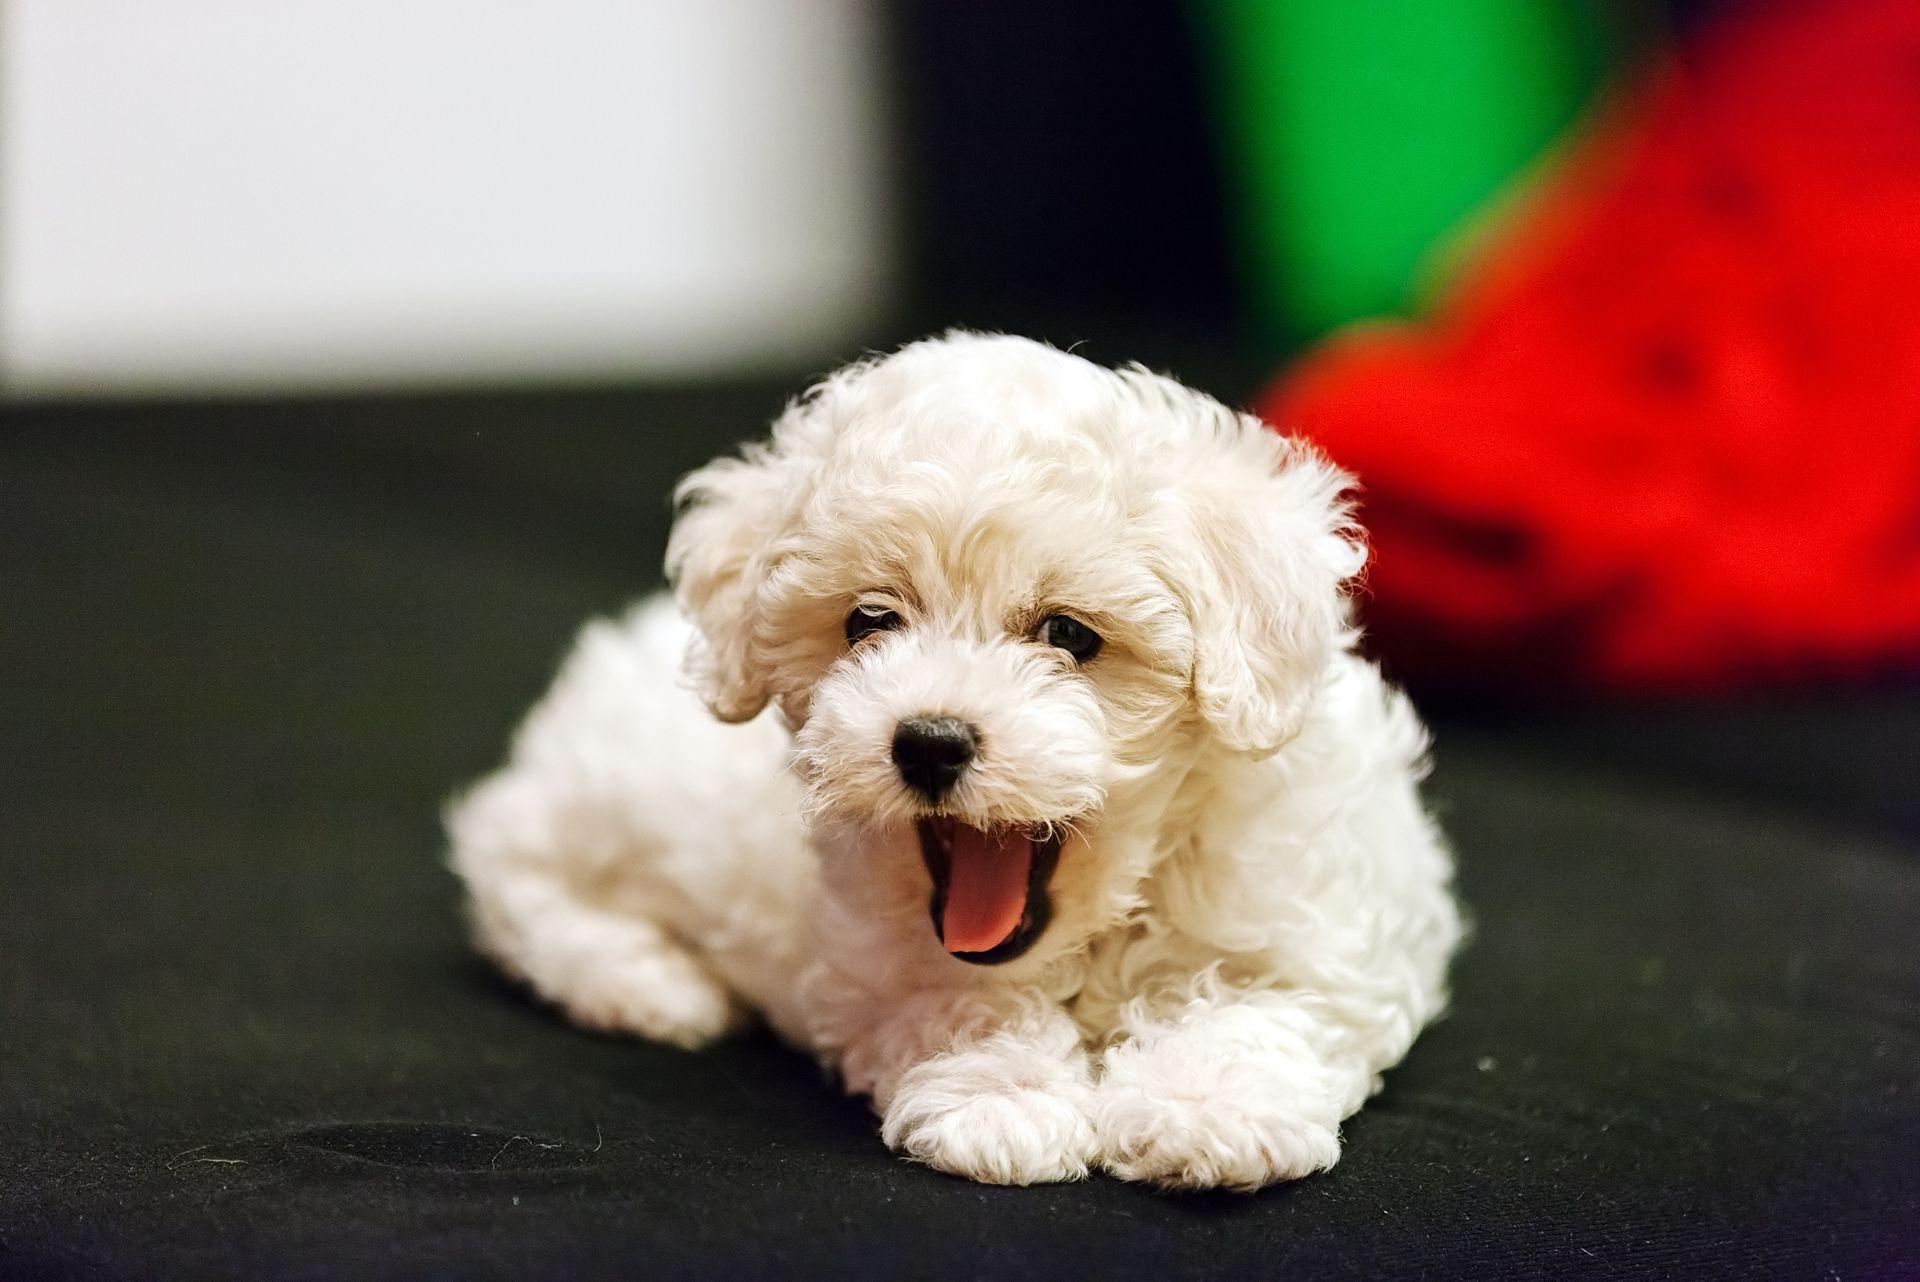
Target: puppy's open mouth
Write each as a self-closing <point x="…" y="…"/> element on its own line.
<point x="989" y="886"/>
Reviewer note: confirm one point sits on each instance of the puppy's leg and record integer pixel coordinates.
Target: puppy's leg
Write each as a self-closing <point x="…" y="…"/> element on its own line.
<point x="1237" y="1093"/>
<point x="992" y="1085"/>
<point x="636" y="862"/>
<point x="1217" y="1084"/>
<point x="516" y="840"/>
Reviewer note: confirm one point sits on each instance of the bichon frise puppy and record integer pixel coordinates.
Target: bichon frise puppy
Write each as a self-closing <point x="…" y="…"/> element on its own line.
<point x="1078" y="834"/>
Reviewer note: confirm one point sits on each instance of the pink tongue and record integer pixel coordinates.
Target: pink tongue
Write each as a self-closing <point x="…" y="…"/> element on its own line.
<point x="986" y="887"/>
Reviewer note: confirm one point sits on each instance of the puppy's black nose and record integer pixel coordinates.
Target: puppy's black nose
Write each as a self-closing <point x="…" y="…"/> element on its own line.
<point x="932" y="752"/>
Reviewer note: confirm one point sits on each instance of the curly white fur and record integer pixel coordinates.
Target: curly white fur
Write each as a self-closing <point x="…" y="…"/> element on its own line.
<point x="1252" y="917"/>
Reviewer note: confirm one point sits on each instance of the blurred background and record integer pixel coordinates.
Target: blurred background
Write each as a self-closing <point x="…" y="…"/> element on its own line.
<point x="208" y="195"/>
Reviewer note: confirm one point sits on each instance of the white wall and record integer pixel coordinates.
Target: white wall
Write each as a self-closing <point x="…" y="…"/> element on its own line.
<point x="244" y="194"/>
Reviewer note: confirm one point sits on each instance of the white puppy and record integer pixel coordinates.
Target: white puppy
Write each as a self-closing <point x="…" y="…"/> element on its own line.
<point x="1078" y="836"/>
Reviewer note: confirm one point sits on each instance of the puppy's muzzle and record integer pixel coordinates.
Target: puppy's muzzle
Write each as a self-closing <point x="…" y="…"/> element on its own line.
<point x="932" y="752"/>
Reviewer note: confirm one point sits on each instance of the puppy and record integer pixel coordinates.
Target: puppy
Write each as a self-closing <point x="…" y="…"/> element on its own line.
<point x="1037" y="791"/>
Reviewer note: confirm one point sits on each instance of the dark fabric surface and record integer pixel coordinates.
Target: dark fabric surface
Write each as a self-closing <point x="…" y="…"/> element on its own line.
<point x="245" y="653"/>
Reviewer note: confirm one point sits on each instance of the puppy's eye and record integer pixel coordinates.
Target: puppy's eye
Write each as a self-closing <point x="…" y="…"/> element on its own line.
<point x="867" y="620"/>
<point x="1071" y="635"/>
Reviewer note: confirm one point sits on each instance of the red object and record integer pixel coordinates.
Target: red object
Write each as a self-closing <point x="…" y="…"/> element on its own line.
<point x="1666" y="432"/>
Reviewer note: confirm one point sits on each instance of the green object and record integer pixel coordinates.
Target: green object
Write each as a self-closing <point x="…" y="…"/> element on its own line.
<point x="1362" y="131"/>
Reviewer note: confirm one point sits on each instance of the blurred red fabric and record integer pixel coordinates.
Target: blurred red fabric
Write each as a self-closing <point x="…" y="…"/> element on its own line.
<point x="1664" y="431"/>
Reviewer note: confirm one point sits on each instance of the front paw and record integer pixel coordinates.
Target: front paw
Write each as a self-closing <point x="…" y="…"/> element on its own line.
<point x="988" y="1118"/>
<point x="1178" y="1125"/>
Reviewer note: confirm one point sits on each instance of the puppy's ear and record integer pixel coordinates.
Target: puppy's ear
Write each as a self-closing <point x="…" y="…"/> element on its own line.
<point x="730" y="514"/>
<point x="1269" y="548"/>
<point x="731" y="530"/>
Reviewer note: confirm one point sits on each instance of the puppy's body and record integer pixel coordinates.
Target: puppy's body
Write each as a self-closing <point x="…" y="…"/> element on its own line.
<point x="1248" y="919"/>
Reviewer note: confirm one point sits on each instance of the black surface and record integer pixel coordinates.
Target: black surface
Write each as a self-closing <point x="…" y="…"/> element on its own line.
<point x="247" y="651"/>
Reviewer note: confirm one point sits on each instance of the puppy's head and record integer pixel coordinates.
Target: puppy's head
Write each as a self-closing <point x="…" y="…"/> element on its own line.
<point x="1007" y="598"/>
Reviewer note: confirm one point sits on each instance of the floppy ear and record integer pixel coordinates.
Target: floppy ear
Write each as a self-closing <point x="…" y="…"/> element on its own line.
<point x="1271" y="546"/>
<point x="730" y="513"/>
<point x="730" y="532"/>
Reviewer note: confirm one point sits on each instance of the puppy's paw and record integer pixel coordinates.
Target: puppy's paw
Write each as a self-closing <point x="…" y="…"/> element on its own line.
<point x="1164" y="1122"/>
<point x="977" y="1114"/>
<point x="1195" y="1144"/>
<point x="659" y="993"/>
